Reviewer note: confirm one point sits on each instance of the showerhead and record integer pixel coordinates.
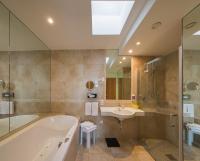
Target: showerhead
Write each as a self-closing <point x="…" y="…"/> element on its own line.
<point x="146" y="65"/>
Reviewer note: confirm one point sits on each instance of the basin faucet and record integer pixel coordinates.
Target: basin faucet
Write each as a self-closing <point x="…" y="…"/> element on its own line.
<point x="121" y="106"/>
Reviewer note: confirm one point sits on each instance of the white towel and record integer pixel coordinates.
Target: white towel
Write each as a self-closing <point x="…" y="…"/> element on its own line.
<point x="95" y="108"/>
<point x="188" y="110"/>
<point x="4" y="107"/>
<point x="88" y="108"/>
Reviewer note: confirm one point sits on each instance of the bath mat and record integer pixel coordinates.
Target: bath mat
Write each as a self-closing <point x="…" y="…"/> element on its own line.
<point x="112" y="142"/>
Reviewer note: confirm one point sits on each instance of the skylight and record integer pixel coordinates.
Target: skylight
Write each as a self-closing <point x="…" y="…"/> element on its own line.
<point x="109" y="17"/>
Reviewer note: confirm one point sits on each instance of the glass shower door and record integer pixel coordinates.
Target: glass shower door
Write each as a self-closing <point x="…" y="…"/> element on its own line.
<point x="191" y="85"/>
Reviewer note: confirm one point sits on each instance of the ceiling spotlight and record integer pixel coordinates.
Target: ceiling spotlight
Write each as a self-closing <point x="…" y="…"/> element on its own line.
<point x="138" y="43"/>
<point x="130" y="51"/>
<point x="50" y="20"/>
<point x="124" y="58"/>
<point x="120" y="62"/>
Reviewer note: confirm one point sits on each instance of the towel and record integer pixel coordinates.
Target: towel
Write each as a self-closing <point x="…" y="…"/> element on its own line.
<point x="188" y="110"/>
<point x="95" y="108"/>
<point x="4" y="107"/>
<point x="88" y="108"/>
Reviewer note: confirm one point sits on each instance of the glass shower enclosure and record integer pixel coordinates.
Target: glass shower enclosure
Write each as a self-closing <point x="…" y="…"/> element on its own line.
<point x="158" y="94"/>
<point x="191" y="86"/>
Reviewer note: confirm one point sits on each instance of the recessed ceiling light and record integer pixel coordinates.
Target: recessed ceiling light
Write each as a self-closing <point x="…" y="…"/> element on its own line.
<point x="50" y="20"/>
<point x="130" y="51"/>
<point x="124" y="58"/>
<point x="138" y="43"/>
<point x="120" y="62"/>
<point x="197" y="33"/>
<point x="109" y="17"/>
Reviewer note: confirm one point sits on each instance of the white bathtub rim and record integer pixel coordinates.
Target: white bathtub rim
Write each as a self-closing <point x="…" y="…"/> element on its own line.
<point x="63" y="150"/>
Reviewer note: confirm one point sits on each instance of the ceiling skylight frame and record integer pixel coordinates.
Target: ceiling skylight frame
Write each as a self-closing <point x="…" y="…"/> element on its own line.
<point x="110" y="17"/>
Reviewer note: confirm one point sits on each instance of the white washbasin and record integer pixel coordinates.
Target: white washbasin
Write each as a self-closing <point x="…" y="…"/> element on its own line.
<point x="121" y="112"/>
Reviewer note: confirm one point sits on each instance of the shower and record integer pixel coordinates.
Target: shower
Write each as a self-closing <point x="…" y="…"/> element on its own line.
<point x="150" y="63"/>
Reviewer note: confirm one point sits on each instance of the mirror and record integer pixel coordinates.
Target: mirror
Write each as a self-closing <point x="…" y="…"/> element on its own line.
<point x="4" y="69"/>
<point x="90" y="85"/>
<point x="118" y="77"/>
<point x="29" y="74"/>
<point x="191" y="80"/>
<point x="24" y="74"/>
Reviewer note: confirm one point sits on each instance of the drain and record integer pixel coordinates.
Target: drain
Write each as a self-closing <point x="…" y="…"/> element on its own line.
<point x="171" y="157"/>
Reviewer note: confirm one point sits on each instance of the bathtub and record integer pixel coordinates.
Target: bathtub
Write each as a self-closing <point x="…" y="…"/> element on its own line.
<point x="53" y="138"/>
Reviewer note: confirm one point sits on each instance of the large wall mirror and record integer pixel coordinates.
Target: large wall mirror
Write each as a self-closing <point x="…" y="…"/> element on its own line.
<point x="191" y="85"/>
<point x="24" y="74"/>
<point x="118" y="77"/>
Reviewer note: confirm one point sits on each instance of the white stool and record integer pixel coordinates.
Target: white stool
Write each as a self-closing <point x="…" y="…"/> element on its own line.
<point x="88" y="128"/>
<point x="192" y="128"/>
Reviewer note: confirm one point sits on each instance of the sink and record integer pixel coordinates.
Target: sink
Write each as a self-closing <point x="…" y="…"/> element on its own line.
<point x="121" y="112"/>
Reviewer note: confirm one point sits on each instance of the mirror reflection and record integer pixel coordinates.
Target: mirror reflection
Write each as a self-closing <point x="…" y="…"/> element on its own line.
<point x="191" y="80"/>
<point x="24" y="74"/>
<point x="4" y="69"/>
<point x="118" y="77"/>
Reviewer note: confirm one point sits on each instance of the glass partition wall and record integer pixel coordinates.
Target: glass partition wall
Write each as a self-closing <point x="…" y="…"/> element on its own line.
<point x="24" y="74"/>
<point x="158" y="94"/>
<point x="191" y="84"/>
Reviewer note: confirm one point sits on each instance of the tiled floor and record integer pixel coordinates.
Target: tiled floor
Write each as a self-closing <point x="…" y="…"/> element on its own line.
<point x="129" y="151"/>
<point x="191" y="153"/>
<point x="159" y="149"/>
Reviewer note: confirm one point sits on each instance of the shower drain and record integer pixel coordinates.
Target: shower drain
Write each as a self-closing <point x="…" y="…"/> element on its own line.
<point x="171" y="157"/>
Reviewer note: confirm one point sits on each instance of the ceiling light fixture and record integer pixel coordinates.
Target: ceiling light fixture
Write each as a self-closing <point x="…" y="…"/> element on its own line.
<point x="124" y="58"/>
<point x="50" y="20"/>
<point x="138" y="43"/>
<point x="120" y="62"/>
<point x="130" y="51"/>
